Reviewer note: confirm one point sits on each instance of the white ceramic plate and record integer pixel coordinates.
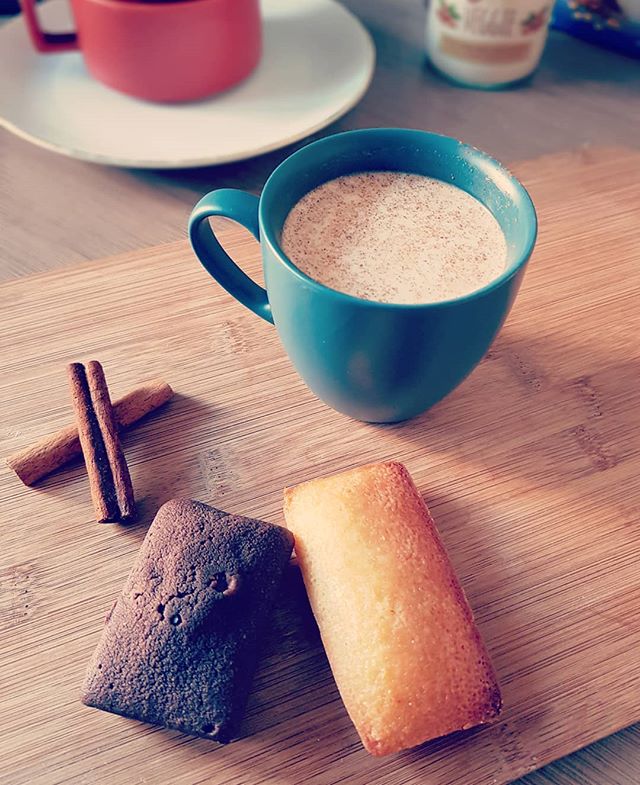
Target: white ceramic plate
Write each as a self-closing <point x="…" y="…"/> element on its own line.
<point x="317" y="63"/>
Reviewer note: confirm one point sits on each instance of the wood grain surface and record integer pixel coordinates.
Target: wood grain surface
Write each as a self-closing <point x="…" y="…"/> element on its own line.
<point x="531" y="469"/>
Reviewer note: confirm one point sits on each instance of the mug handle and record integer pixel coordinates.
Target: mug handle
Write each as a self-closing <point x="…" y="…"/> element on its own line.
<point x="43" y="41"/>
<point x="241" y="207"/>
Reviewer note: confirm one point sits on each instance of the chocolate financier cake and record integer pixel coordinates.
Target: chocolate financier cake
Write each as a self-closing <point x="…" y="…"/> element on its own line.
<point x="180" y="644"/>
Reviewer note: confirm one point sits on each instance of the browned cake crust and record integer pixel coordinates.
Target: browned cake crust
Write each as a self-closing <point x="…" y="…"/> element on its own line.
<point x="400" y="636"/>
<point x="180" y="645"/>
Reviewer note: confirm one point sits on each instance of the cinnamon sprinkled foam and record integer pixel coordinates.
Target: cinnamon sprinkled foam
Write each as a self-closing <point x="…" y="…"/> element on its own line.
<point x="395" y="238"/>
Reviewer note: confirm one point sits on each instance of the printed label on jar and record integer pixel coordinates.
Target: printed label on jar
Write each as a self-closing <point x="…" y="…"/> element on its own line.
<point x="509" y="34"/>
<point x="493" y="18"/>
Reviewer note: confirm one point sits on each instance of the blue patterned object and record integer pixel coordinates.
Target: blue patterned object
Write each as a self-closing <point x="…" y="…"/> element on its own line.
<point x="611" y="23"/>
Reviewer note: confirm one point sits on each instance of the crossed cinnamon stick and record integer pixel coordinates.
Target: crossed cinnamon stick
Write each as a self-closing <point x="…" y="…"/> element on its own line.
<point x="109" y="479"/>
<point x="53" y="451"/>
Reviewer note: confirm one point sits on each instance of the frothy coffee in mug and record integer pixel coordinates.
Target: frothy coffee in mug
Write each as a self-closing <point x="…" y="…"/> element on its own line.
<point x="395" y="238"/>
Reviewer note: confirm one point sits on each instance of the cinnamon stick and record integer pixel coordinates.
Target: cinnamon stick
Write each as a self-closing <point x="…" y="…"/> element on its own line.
<point x="108" y="428"/>
<point x="50" y="453"/>
<point x="103" y="492"/>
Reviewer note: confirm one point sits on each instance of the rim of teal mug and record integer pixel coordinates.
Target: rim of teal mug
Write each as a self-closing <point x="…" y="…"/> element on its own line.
<point x="525" y="202"/>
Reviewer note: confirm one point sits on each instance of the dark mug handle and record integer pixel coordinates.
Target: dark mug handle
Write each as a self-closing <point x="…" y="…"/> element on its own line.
<point x="43" y="41"/>
<point x="241" y="207"/>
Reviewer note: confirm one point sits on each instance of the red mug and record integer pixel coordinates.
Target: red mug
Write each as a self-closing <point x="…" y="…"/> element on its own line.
<point x="160" y="51"/>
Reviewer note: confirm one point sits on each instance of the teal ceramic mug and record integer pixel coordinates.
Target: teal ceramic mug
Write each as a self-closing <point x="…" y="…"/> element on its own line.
<point x="373" y="361"/>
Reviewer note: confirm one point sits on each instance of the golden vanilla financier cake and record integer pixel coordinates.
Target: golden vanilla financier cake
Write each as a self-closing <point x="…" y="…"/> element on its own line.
<point x="399" y="633"/>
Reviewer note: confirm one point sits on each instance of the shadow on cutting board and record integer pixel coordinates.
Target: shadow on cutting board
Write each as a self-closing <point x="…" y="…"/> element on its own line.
<point x="536" y="409"/>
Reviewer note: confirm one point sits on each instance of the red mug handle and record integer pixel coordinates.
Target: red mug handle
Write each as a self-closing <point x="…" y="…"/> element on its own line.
<point x="46" y="42"/>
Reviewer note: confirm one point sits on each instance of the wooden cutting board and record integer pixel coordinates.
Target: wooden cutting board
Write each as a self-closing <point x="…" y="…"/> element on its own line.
<point x="531" y="469"/>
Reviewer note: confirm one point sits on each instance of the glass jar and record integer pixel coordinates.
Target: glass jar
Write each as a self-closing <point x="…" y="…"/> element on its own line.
<point x="487" y="43"/>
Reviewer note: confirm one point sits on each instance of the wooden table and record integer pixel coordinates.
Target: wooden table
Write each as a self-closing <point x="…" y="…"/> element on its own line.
<point x="55" y="210"/>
